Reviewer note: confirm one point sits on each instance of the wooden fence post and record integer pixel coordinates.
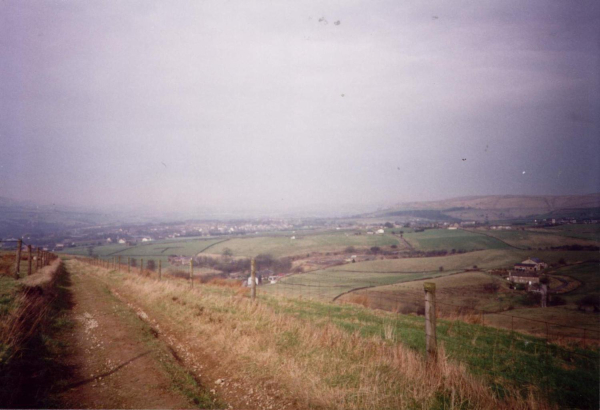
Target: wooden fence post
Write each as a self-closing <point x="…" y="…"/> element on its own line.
<point x="37" y="259"/>
<point x="128" y="265"/>
<point x="159" y="270"/>
<point x="253" y="279"/>
<point x="30" y="271"/>
<point x="192" y="272"/>
<point x="18" y="265"/>
<point x="141" y="266"/>
<point x="119" y="265"/>
<point x="430" y="321"/>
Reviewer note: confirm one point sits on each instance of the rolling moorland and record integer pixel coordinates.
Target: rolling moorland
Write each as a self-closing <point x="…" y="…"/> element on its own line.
<point x="341" y="323"/>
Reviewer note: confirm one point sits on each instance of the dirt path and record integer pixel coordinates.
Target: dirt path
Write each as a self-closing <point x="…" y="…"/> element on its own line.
<point x="115" y="359"/>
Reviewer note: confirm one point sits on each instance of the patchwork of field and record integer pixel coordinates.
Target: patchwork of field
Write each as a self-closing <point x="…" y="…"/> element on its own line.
<point x="332" y="282"/>
<point x="445" y="239"/>
<point x="156" y="250"/>
<point x="285" y="246"/>
<point x="535" y="239"/>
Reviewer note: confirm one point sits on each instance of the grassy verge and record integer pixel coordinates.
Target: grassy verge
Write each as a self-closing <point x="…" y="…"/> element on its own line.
<point x="333" y="356"/>
<point x="33" y="314"/>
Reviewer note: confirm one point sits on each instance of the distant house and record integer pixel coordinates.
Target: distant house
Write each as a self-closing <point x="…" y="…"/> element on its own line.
<point x="59" y="246"/>
<point x="108" y="240"/>
<point x="531" y="265"/>
<point x="292" y="238"/>
<point x="526" y="277"/>
<point x="122" y="241"/>
<point x="146" y="239"/>
<point x="369" y="232"/>
<point x="380" y="232"/>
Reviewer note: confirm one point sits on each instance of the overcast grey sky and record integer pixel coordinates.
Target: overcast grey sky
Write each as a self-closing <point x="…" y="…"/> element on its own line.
<point x="276" y="104"/>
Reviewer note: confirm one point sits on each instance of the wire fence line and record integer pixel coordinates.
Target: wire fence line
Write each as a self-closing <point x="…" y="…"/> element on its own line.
<point x="41" y="257"/>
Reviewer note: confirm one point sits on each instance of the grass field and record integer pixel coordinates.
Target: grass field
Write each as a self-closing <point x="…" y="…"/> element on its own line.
<point x="438" y="239"/>
<point x="586" y="273"/>
<point x="557" y="322"/>
<point x="536" y="239"/>
<point x="328" y="284"/>
<point x="587" y="231"/>
<point x="285" y="246"/>
<point x="453" y="291"/>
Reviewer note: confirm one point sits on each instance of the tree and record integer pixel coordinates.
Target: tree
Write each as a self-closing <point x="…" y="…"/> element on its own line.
<point x="388" y="225"/>
<point x="375" y="249"/>
<point x="350" y="249"/>
<point x="227" y="252"/>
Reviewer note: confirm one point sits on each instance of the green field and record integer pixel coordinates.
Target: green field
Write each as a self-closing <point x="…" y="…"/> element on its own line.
<point x="583" y="231"/>
<point x="328" y="284"/>
<point x="156" y="250"/>
<point x="586" y="273"/>
<point x="440" y="239"/>
<point x="537" y="239"/>
<point x="303" y="244"/>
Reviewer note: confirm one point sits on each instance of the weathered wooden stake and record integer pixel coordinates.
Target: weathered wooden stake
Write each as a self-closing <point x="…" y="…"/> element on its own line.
<point x="18" y="265"/>
<point x="119" y="265"/>
<point x="430" y="320"/>
<point x="159" y="270"/>
<point x="128" y="265"/>
<point x="141" y="266"/>
<point x="38" y="258"/>
<point x="192" y="272"/>
<point x="253" y="279"/>
<point x="30" y="271"/>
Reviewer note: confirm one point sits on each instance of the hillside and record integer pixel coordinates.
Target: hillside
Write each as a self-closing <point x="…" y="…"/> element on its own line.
<point x="499" y="207"/>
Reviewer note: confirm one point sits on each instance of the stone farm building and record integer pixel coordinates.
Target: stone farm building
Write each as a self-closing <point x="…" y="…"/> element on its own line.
<point x="531" y="265"/>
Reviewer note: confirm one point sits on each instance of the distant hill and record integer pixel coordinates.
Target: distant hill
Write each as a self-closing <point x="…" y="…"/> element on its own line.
<point x="501" y="207"/>
<point x="19" y="218"/>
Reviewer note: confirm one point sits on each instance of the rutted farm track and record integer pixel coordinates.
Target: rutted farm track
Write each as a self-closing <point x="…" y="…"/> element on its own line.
<point x="122" y="357"/>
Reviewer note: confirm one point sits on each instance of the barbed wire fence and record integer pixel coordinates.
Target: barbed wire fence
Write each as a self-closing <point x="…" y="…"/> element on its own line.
<point x="35" y="258"/>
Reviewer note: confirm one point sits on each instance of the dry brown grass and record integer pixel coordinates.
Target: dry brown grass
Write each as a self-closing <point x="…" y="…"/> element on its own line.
<point x="357" y="299"/>
<point x="316" y="363"/>
<point x="31" y="307"/>
<point x="225" y="283"/>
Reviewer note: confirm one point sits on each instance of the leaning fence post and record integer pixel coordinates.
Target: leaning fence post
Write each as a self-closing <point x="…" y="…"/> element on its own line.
<point x="142" y="266"/>
<point x="192" y="272"/>
<point x="119" y="265"/>
<point x="128" y="265"/>
<point x="253" y="279"/>
<point x="37" y="258"/>
<point x="30" y="271"/>
<point x="159" y="270"/>
<point x="430" y="320"/>
<point x="18" y="265"/>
